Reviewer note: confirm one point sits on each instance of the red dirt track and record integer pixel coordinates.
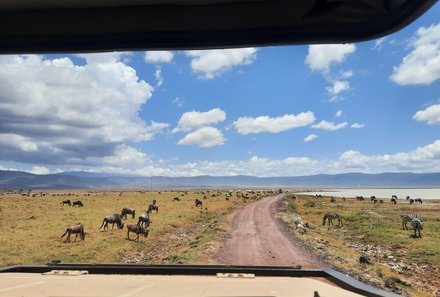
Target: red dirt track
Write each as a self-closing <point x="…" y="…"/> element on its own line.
<point x="257" y="237"/>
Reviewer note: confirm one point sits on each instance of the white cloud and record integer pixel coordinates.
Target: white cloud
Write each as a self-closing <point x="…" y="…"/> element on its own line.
<point x="378" y="44"/>
<point x="158" y="57"/>
<point x="248" y="125"/>
<point x="322" y="56"/>
<point x="178" y="101"/>
<point x="55" y="112"/>
<point x="347" y="74"/>
<point x="212" y="63"/>
<point x="40" y="170"/>
<point x="431" y="115"/>
<point x="338" y="87"/>
<point x="204" y="137"/>
<point x="422" y="65"/>
<point x="357" y="125"/>
<point x="196" y="119"/>
<point x="310" y="137"/>
<point x="158" y="76"/>
<point x="329" y="126"/>
<point x="338" y="113"/>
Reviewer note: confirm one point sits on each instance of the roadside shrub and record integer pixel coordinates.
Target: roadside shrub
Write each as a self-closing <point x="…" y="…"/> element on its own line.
<point x="310" y="203"/>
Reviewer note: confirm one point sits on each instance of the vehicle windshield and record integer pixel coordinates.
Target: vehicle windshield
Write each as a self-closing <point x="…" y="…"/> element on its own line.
<point x="309" y="156"/>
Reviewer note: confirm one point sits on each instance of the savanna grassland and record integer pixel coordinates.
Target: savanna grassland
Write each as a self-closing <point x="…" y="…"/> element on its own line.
<point x="400" y="262"/>
<point x="32" y="226"/>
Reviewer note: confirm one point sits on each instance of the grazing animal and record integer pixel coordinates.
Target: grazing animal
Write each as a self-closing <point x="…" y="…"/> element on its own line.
<point x="66" y="202"/>
<point x="75" y="229"/>
<point x="360" y="198"/>
<point x="330" y="216"/>
<point x="144" y="220"/>
<point x="113" y="219"/>
<point x="152" y="207"/>
<point x="77" y="203"/>
<point x="177" y="198"/>
<point x="417" y="225"/>
<point x="198" y="202"/>
<point x="137" y="230"/>
<point x="418" y="200"/>
<point x="380" y="201"/>
<point x="394" y="196"/>
<point x="126" y="211"/>
<point x="407" y="197"/>
<point x="373" y="198"/>
<point x="411" y="201"/>
<point x="408" y="218"/>
<point x="364" y="260"/>
<point x="393" y="200"/>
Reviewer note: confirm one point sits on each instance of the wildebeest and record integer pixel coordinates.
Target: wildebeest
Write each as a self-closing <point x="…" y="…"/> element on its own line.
<point x="373" y="198"/>
<point x="411" y="201"/>
<point x="137" y="230"/>
<point x="418" y="200"/>
<point x="417" y="225"/>
<point x="77" y="203"/>
<point x="75" y="229"/>
<point x="176" y="198"/>
<point x="152" y="207"/>
<point x="198" y="202"/>
<point x="393" y="200"/>
<point x="125" y="211"/>
<point x="144" y="220"/>
<point x="360" y="198"/>
<point x="330" y="216"/>
<point x="113" y="219"/>
<point x="66" y="202"/>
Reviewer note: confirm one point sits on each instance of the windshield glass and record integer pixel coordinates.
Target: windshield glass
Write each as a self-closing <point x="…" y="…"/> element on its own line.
<point x="308" y="156"/>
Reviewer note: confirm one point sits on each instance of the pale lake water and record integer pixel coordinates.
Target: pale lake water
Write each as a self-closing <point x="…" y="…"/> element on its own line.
<point x="379" y="193"/>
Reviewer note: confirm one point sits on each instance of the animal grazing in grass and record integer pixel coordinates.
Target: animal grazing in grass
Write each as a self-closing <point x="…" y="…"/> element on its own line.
<point x="198" y="202"/>
<point x="408" y="218"/>
<point x="411" y="201"/>
<point x="373" y="198"/>
<point x="380" y="201"/>
<point x="417" y="225"/>
<point x="360" y="198"/>
<point x="66" y="202"/>
<point x="152" y="207"/>
<point x="77" y="203"/>
<point x="419" y="200"/>
<point x="330" y="216"/>
<point x="393" y="200"/>
<point x="144" y="220"/>
<point x="177" y="198"/>
<point x="407" y="197"/>
<point x="137" y="230"/>
<point x="126" y="211"/>
<point x="75" y="229"/>
<point x="113" y="219"/>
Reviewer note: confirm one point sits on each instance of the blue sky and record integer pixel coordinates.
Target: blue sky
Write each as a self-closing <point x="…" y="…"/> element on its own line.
<point x="275" y="111"/>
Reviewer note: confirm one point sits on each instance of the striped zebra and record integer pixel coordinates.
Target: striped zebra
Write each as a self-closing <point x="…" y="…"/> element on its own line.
<point x="417" y="225"/>
<point x="407" y="218"/>
<point x="330" y="216"/>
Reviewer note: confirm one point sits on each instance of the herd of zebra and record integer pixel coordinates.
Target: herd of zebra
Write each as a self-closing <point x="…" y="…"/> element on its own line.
<point x="416" y="222"/>
<point x="392" y="200"/>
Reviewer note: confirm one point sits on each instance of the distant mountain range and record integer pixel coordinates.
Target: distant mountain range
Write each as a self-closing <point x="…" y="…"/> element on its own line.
<point x="89" y="180"/>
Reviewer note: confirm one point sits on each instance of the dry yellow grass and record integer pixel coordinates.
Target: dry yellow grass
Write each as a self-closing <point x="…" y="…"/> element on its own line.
<point x="31" y="227"/>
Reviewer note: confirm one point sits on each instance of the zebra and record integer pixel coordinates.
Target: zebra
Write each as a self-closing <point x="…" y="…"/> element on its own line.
<point x="417" y="225"/>
<point x="418" y="200"/>
<point x="330" y="216"/>
<point x="393" y="200"/>
<point x="408" y="218"/>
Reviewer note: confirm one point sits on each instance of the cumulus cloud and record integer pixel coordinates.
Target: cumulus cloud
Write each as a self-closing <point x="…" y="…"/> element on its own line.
<point x="55" y="112"/>
<point x="329" y="126"/>
<point x="158" y="57"/>
<point x="40" y="170"/>
<point x="310" y="137"/>
<point x="357" y="125"/>
<point x="338" y="87"/>
<point x="431" y="115"/>
<point x="196" y="119"/>
<point x="422" y="65"/>
<point x="321" y="57"/>
<point x="248" y="125"/>
<point x="204" y="137"/>
<point x="209" y="64"/>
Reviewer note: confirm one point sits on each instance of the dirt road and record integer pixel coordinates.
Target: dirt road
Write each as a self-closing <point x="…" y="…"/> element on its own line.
<point x="257" y="237"/>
